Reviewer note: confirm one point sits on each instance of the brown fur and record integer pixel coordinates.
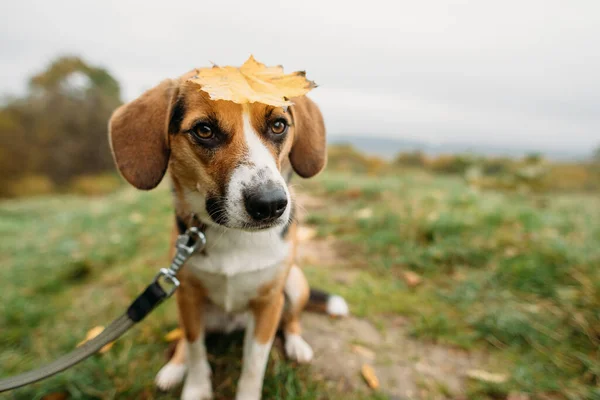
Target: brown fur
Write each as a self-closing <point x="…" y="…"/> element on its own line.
<point x="266" y="316"/>
<point x="138" y="136"/>
<point x="191" y="298"/>
<point x="308" y="155"/>
<point x="178" y="356"/>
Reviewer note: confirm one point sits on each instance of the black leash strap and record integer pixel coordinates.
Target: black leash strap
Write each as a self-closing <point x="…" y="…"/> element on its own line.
<point x="188" y="242"/>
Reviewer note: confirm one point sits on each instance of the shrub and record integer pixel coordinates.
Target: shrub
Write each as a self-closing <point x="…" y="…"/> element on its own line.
<point x="347" y="158"/>
<point x="94" y="185"/>
<point x="30" y="185"/>
<point x="451" y="164"/>
<point x="416" y="159"/>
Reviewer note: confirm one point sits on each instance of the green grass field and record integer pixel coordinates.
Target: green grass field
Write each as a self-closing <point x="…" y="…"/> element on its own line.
<point x="515" y="276"/>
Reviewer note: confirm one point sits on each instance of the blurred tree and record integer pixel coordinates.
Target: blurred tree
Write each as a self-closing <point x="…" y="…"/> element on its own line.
<point x="415" y="159"/>
<point x="596" y="156"/>
<point x="56" y="78"/>
<point x="533" y="158"/>
<point x="60" y="128"/>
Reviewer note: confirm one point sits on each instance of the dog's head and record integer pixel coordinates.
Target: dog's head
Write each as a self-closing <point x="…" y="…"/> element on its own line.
<point x="227" y="160"/>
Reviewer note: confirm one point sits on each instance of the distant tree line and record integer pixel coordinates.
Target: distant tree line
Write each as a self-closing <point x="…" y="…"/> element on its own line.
<point x="58" y="130"/>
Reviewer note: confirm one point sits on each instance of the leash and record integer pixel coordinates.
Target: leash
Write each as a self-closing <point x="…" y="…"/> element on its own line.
<point x="162" y="287"/>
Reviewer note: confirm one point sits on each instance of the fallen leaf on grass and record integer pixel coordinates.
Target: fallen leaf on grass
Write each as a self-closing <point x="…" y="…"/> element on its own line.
<point x="484" y="376"/>
<point x="174" y="335"/>
<point x="92" y="333"/>
<point x="353" y="193"/>
<point x="364" y="213"/>
<point x="411" y="279"/>
<point x="363" y="351"/>
<point x="253" y="82"/>
<point x="511" y="252"/>
<point x="369" y="374"/>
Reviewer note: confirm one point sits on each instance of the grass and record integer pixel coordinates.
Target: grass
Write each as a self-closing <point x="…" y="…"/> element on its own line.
<point x="511" y="275"/>
<point x="72" y="263"/>
<point x="514" y="275"/>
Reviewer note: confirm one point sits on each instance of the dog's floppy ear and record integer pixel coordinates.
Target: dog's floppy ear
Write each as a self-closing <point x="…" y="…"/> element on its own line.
<point x="308" y="155"/>
<point x="138" y="136"/>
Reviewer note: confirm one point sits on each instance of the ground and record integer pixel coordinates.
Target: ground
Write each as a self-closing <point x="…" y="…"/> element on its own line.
<point x="406" y="368"/>
<point x="454" y="292"/>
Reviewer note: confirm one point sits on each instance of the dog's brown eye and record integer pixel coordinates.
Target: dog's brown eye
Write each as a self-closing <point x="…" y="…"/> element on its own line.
<point x="279" y="126"/>
<point x="203" y="131"/>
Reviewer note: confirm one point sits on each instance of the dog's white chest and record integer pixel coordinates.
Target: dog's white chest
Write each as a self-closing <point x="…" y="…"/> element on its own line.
<point x="232" y="293"/>
<point x="237" y="264"/>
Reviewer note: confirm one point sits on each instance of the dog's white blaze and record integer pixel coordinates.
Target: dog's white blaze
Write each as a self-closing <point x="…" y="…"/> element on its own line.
<point x="253" y="366"/>
<point x="197" y="383"/>
<point x="258" y="154"/>
<point x="258" y="159"/>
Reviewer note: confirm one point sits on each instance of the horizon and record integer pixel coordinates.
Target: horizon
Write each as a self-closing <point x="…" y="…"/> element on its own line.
<point x="387" y="147"/>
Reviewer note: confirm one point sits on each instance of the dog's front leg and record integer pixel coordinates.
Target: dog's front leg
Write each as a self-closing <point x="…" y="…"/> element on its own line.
<point x="260" y="332"/>
<point x="191" y="303"/>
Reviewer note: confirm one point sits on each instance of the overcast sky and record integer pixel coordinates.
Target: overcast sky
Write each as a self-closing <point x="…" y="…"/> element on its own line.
<point x="505" y="72"/>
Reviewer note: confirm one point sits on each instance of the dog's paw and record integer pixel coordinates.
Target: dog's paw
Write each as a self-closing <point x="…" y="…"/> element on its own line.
<point x="195" y="389"/>
<point x="196" y="392"/>
<point x="170" y="376"/>
<point x="297" y="349"/>
<point x="243" y="396"/>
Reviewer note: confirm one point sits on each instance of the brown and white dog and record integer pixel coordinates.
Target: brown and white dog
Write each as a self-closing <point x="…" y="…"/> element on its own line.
<point x="230" y="165"/>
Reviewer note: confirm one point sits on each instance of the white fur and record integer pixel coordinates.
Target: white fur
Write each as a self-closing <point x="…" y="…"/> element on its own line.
<point x="337" y="306"/>
<point x="297" y="349"/>
<point x="237" y="264"/>
<point x="197" y="383"/>
<point x="257" y="160"/>
<point x="254" y="364"/>
<point x="170" y="375"/>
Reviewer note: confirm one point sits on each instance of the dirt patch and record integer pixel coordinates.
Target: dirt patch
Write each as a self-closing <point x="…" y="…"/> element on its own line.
<point x="406" y="368"/>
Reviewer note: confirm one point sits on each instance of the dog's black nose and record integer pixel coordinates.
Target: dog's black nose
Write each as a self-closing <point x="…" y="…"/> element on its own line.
<point x="266" y="203"/>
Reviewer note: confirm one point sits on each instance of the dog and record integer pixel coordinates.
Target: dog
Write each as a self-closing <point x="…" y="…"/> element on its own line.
<point x="230" y="165"/>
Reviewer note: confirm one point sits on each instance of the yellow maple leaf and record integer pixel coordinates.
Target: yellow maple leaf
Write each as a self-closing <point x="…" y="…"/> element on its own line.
<point x="92" y="333"/>
<point x="253" y="82"/>
<point x="174" y="335"/>
<point x="369" y="374"/>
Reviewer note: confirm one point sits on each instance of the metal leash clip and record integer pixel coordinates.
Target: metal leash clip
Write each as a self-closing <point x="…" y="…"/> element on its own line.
<point x="187" y="243"/>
